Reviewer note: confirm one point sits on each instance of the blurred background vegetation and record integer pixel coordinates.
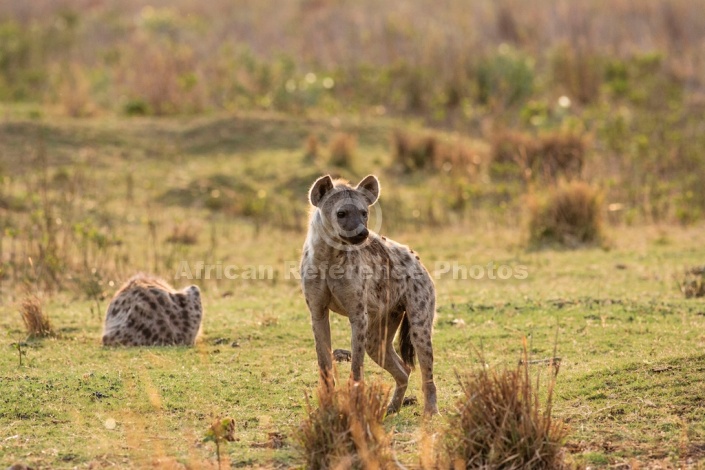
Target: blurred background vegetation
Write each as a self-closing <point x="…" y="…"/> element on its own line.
<point x="486" y="108"/>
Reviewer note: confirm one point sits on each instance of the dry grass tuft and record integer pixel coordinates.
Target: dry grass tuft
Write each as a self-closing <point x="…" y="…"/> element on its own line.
<point x="184" y="234"/>
<point x="692" y="284"/>
<point x="569" y="216"/>
<point x="311" y="148"/>
<point x="429" y="152"/>
<point x="342" y="150"/>
<point x="549" y="155"/>
<point x="36" y="322"/>
<point x="500" y="422"/>
<point x="346" y="429"/>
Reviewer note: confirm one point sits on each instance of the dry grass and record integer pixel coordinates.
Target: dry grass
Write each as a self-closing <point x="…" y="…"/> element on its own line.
<point x="500" y="422"/>
<point x="35" y="320"/>
<point x="311" y="148"/>
<point x="547" y="156"/>
<point x="346" y="429"/>
<point x="184" y="234"/>
<point x="342" y="149"/>
<point x="570" y="216"/>
<point x="429" y="152"/>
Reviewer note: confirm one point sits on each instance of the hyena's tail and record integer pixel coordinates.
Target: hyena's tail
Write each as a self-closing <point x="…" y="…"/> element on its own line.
<point x="405" y="345"/>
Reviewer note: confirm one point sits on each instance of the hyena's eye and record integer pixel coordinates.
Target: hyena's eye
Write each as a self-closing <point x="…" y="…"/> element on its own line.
<point x="341" y="214"/>
<point x="364" y="214"/>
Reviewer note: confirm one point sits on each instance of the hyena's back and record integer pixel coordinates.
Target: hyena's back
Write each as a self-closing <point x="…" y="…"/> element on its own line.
<point x="147" y="311"/>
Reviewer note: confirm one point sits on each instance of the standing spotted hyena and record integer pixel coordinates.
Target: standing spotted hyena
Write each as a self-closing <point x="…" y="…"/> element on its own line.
<point x="375" y="282"/>
<point x="147" y="311"/>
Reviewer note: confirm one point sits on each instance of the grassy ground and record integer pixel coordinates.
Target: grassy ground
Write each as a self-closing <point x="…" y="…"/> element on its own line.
<point x="630" y="381"/>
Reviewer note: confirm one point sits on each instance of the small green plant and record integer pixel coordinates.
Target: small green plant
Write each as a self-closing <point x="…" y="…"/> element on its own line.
<point x="500" y="422"/>
<point x="569" y="216"/>
<point x="20" y="352"/>
<point x="345" y="430"/>
<point x="222" y="430"/>
<point x="92" y="286"/>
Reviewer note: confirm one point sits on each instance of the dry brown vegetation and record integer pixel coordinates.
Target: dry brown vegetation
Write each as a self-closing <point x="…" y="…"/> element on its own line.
<point x="500" y="421"/>
<point x="35" y="320"/>
<point x="428" y="151"/>
<point x="184" y="56"/>
<point x="345" y="428"/>
<point x="547" y="156"/>
<point x="569" y="215"/>
<point x="692" y="284"/>
<point x="342" y="149"/>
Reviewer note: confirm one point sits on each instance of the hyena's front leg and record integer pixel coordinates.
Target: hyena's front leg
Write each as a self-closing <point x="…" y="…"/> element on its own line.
<point x="358" y="340"/>
<point x="321" y="334"/>
<point x="320" y="324"/>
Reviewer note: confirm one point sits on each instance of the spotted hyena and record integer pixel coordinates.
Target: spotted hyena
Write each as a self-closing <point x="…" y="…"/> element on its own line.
<point x="377" y="283"/>
<point x="147" y="311"/>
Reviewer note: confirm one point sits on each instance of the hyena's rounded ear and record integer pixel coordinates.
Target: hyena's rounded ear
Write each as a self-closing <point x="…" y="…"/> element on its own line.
<point x="369" y="187"/>
<point x="319" y="189"/>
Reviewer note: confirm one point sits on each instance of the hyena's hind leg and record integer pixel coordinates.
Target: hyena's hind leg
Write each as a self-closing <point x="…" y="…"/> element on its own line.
<point x="420" y="313"/>
<point x="380" y="347"/>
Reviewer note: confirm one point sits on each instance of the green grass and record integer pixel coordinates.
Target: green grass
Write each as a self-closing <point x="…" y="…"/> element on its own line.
<point x="631" y="346"/>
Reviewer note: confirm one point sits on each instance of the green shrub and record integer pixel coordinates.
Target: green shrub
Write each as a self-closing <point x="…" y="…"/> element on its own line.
<point x="505" y="78"/>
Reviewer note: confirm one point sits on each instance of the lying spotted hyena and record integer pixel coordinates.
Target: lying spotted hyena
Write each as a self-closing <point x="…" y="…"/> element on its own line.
<point x="375" y="282"/>
<point x="147" y="311"/>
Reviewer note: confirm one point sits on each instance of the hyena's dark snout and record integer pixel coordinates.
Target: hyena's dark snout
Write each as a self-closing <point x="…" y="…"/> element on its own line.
<point x="358" y="237"/>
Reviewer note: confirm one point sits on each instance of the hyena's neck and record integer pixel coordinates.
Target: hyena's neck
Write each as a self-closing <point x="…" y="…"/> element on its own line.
<point x="317" y="241"/>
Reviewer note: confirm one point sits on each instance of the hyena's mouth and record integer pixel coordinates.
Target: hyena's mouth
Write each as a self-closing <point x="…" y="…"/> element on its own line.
<point x="356" y="239"/>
